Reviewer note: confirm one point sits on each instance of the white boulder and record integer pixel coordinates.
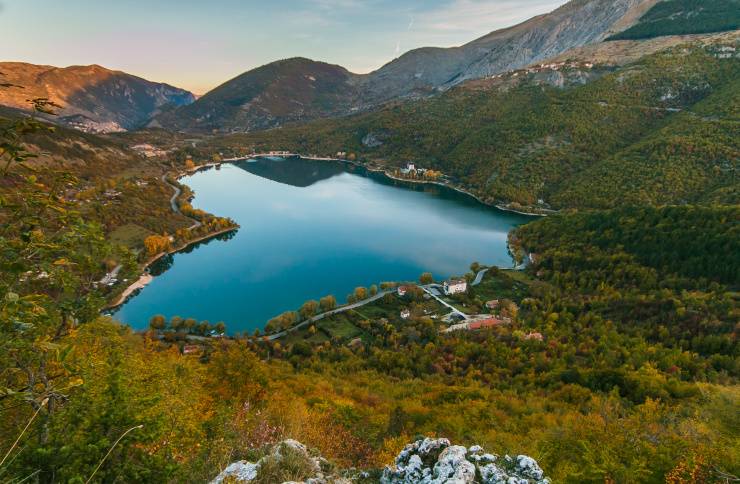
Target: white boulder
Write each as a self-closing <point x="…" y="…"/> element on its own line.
<point x="241" y="471"/>
<point x="435" y="461"/>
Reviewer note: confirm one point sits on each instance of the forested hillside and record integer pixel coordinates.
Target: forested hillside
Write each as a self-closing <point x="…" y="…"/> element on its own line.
<point x="619" y="363"/>
<point x="295" y="89"/>
<point x="661" y="130"/>
<point x="680" y="17"/>
<point x="633" y="377"/>
<point x="683" y="244"/>
<point x="103" y="179"/>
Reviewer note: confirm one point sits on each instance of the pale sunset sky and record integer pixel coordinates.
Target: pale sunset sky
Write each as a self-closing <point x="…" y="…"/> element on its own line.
<point x="199" y="44"/>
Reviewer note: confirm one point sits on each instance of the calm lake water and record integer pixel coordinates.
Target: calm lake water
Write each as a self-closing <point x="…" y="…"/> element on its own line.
<point x="309" y="229"/>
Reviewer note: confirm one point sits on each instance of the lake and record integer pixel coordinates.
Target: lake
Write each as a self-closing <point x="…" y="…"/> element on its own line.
<point x="312" y="228"/>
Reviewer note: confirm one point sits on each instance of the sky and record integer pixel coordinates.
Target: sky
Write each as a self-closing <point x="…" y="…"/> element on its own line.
<point x="199" y="44"/>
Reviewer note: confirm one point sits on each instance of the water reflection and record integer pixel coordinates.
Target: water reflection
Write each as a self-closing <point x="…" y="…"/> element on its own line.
<point x="296" y="172"/>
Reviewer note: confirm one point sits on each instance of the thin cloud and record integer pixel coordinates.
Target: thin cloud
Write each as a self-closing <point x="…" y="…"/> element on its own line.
<point x="478" y="17"/>
<point x="327" y="13"/>
<point x="334" y="6"/>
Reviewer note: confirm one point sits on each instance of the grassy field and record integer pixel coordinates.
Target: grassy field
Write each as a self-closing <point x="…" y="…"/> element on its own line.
<point x="129" y="235"/>
<point x="499" y="287"/>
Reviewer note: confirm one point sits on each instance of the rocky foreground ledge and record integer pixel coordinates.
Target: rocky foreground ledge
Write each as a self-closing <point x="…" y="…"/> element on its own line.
<point x="427" y="461"/>
<point x="287" y="461"/>
<point x="435" y="461"/>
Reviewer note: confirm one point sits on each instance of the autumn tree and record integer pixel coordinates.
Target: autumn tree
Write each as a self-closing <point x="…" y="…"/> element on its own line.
<point x="360" y="293"/>
<point x="176" y="323"/>
<point x="327" y="303"/>
<point x="156" y="244"/>
<point x="415" y="293"/>
<point x="189" y="324"/>
<point x="158" y="322"/>
<point x="282" y="322"/>
<point x="308" y="309"/>
<point x="426" y="278"/>
<point x="203" y="328"/>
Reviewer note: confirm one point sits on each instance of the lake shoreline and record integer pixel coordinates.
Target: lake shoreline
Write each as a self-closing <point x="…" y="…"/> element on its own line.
<point x="461" y="190"/>
<point x="146" y="278"/>
<point x="180" y="178"/>
<point x="387" y="174"/>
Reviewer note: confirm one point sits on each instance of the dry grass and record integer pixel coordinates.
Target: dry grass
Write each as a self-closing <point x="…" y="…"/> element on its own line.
<point x="290" y="465"/>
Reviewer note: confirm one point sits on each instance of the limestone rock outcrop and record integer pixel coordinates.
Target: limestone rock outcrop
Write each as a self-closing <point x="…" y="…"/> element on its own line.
<point x="287" y="461"/>
<point x="436" y="461"/>
<point x="426" y="461"/>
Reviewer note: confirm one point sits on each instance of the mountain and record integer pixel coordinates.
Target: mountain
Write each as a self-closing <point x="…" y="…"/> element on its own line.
<point x="283" y="91"/>
<point x="571" y="133"/>
<point x="575" y="24"/>
<point x="93" y="98"/>
<point x="301" y="89"/>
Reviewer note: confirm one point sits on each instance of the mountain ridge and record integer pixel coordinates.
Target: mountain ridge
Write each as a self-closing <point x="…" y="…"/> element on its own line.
<point x="579" y="21"/>
<point x="416" y="74"/>
<point x="92" y="98"/>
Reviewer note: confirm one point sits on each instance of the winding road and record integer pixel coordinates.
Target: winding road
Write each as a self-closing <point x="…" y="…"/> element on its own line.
<point x="175" y="206"/>
<point x="478" y="279"/>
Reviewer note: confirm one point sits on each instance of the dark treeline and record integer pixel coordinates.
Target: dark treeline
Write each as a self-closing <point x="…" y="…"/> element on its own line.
<point x="679" y="242"/>
<point x="681" y="17"/>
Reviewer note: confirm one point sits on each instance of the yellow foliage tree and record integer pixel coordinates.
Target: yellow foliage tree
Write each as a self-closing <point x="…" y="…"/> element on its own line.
<point x="155" y="244"/>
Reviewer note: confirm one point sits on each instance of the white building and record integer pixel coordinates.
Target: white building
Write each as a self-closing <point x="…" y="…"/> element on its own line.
<point x="410" y="169"/>
<point x="455" y="286"/>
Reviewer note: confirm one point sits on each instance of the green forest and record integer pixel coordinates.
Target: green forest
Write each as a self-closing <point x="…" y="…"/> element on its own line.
<point x="681" y="17"/>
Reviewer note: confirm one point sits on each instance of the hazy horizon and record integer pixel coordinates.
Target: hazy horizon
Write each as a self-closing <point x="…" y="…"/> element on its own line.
<point x="198" y="46"/>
